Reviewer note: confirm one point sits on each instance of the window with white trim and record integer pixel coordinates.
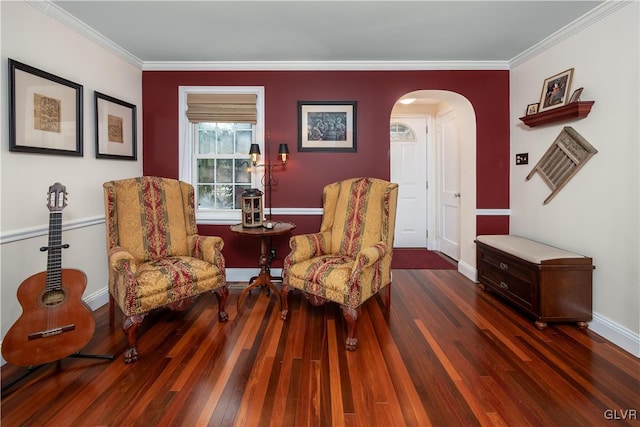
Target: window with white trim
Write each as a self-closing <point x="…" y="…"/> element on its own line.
<point x="217" y="127"/>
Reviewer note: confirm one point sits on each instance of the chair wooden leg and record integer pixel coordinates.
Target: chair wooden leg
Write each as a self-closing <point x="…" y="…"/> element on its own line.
<point x="112" y="310"/>
<point x="351" y="315"/>
<point x="222" y="294"/>
<point x="130" y="326"/>
<point x="388" y="299"/>
<point x="284" y="302"/>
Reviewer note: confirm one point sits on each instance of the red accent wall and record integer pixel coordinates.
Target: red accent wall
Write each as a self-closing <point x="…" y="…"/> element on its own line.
<point x="376" y="92"/>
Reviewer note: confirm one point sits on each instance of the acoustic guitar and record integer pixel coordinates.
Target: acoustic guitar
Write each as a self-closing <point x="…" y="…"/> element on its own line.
<point x="55" y="322"/>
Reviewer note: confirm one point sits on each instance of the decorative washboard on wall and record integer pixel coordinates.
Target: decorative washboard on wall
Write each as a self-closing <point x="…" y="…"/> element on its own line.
<point x="568" y="153"/>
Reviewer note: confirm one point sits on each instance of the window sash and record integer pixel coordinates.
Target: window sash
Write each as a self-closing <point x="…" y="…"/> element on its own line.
<point x="225" y="192"/>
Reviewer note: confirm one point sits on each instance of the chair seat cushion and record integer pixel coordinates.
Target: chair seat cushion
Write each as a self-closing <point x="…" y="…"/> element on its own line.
<point x="326" y="276"/>
<point x="164" y="281"/>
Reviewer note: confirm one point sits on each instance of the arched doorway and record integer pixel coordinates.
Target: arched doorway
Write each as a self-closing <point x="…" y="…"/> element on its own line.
<point x="444" y="109"/>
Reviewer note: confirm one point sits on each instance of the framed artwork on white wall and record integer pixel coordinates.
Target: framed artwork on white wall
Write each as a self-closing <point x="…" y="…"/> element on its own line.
<point x="115" y="128"/>
<point x="45" y="112"/>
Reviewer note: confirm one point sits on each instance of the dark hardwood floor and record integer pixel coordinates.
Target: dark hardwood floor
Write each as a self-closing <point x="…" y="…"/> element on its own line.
<point x="448" y="354"/>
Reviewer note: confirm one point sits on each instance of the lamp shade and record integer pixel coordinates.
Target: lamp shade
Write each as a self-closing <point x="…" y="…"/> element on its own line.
<point x="255" y="149"/>
<point x="283" y="152"/>
<point x="254" y="152"/>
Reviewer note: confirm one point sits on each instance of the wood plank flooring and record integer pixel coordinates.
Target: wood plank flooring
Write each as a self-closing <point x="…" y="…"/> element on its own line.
<point x="448" y="354"/>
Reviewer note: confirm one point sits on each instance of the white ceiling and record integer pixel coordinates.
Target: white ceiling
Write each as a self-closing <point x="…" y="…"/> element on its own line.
<point x="324" y="31"/>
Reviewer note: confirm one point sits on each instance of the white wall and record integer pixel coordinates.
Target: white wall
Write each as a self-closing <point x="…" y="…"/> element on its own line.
<point x="30" y="36"/>
<point x="597" y="213"/>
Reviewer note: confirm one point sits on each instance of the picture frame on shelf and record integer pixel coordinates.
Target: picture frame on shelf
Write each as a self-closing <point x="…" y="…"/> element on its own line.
<point x="327" y="126"/>
<point x="532" y="109"/>
<point x="575" y="96"/>
<point x="555" y="90"/>
<point x="45" y="112"/>
<point x="115" y="128"/>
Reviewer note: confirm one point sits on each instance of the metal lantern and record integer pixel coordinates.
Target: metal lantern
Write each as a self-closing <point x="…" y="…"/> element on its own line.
<point x="252" y="208"/>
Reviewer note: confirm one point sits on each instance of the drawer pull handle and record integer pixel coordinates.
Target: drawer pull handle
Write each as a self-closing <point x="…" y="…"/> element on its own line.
<point x="504" y="266"/>
<point x="504" y="285"/>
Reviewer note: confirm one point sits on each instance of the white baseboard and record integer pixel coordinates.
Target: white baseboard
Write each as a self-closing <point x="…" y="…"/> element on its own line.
<point x="618" y="335"/>
<point x="624" y="338"/>
<point x="244" y="274"/>
<point x="468" y="271"/>
<point x="97" y="299"/>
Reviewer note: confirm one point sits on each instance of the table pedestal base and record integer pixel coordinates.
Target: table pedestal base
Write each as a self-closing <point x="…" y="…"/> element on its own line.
<point x="263" y="280"/>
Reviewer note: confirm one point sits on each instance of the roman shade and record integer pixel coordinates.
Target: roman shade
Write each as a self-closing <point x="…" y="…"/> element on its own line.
<point x="222" y="107"/>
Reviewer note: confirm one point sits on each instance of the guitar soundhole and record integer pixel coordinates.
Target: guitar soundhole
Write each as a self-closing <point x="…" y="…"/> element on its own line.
<point x="53" y="298"/>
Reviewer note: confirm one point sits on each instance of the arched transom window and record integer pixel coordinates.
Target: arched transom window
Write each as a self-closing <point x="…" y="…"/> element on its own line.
<point x="401" y="132"/>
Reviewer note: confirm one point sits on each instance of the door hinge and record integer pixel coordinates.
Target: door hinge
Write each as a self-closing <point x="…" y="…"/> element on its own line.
<point x="427" y="233"/>
<point x="426" y="184"/>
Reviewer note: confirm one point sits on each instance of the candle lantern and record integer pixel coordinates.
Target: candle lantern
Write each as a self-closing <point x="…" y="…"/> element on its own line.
<point x="252" y="208"/>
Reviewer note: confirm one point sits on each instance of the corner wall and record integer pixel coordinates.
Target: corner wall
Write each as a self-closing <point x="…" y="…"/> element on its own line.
<point x="597" y="213"/>
<point x="30" y="36"/>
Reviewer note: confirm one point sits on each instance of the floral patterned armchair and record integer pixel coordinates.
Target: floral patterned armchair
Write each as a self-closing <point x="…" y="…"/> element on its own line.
<point x="349" y="260"/>
<point x="155" y="256"/>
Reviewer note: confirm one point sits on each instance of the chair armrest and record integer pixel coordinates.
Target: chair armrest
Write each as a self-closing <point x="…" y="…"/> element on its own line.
<point x="307" y="246"/>
<point x="369" y="256"/>
<point x="207" y="248"/>
<point x="121" y="261"/>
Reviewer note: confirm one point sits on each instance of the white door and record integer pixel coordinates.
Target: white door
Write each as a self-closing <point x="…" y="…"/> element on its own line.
<point x="448" y="186"/>
<point x="409" y="170"/>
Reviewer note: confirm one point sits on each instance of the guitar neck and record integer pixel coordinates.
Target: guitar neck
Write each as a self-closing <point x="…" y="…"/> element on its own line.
<point x="54" y="253"/>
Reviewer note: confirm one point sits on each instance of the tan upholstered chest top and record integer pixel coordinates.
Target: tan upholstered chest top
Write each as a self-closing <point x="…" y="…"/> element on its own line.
<point x="526" y="249"/>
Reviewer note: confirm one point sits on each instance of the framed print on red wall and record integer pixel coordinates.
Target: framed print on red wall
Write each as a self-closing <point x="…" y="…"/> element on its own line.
<point x="327" y="126"/>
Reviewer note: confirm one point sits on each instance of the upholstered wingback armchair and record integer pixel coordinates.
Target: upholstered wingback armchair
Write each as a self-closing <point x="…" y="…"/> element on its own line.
<point x="155" y="256"/>
<point x="349" y="260"/>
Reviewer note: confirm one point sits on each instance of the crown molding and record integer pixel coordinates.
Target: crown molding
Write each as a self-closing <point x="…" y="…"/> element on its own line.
<point x="322" y="65"/>
<point x="569" y="30"/>
<point x="59" y="14"/>
<point x="53" y="10"/>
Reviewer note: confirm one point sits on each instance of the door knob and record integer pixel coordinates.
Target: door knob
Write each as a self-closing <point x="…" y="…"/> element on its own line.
<point x="456" y="195"/>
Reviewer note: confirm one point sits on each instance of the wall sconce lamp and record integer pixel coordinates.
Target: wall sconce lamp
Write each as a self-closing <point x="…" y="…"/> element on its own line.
<point x="283" y="153"/>
<point x="269" y="180"/>
<point x="254" y="152"/>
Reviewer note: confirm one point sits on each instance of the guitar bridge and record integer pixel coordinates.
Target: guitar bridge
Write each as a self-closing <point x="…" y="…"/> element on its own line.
<point x="51" y="332"/>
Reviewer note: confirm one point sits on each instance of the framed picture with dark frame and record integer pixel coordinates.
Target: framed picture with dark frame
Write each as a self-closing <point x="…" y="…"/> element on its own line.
<point x="327" y="126"/>
<point x="45" y="112"/>
<point x="555" y="90"/>
<point x="115" y="128"/>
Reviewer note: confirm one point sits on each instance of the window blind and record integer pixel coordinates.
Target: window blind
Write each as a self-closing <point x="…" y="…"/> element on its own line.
<point x="222" y="108"/>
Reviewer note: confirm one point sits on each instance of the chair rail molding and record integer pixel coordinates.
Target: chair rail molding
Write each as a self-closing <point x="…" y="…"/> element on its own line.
<point x="493" y="212"/>
<point x="43" y="230"/>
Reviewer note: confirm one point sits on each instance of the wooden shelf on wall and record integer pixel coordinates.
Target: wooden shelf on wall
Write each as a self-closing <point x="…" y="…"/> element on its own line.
<point x="575" y="110"/>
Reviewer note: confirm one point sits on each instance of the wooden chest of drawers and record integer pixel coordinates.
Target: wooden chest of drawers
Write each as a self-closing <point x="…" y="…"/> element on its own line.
<point x="550" y="284"/>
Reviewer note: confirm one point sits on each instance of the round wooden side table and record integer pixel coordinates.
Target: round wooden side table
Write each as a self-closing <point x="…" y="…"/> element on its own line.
<point x="264" y="278"/>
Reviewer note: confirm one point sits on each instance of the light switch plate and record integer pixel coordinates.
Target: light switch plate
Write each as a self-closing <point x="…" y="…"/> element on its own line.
<point x="522" y="159"/>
